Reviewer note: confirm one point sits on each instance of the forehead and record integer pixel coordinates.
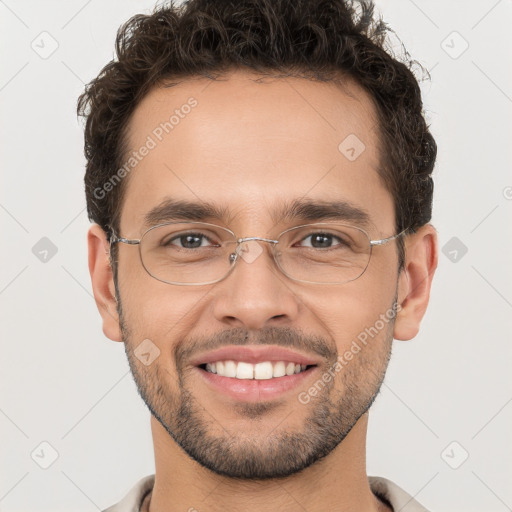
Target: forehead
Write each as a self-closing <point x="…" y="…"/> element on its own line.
<point x="251" y="145"/>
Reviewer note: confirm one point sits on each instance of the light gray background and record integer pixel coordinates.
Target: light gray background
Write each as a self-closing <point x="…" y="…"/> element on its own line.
<point x="65" y="384"/>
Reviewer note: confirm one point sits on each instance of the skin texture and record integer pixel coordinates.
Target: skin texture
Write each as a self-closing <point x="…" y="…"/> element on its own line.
<point x="249" y="146"/>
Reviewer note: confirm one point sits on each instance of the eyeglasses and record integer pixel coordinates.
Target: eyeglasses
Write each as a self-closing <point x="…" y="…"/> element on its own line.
<point x="200" y="253"/>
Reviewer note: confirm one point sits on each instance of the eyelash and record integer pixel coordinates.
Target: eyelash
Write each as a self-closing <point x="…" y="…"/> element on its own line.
<point x="204" y="237"/>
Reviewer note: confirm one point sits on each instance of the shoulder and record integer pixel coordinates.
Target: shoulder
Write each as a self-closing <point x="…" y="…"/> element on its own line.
<point x="133" y="500"/>
<point x="391" y="493"/>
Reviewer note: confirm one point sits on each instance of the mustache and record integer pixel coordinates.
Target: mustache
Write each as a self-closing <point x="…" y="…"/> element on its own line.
<point x="280" y="336"/>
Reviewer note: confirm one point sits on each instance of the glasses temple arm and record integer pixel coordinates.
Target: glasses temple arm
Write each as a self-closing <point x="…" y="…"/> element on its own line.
<point x="383" y="241"/>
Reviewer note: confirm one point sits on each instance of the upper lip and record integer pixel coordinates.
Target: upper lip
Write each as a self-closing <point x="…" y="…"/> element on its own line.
<point x="254" y="354"/>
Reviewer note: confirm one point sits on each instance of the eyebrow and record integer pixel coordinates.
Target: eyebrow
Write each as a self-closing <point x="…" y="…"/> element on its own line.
<point x="303" y="210"/>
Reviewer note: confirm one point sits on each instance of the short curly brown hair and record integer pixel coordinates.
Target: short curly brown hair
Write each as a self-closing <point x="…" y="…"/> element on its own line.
<point x="314" y="39"/>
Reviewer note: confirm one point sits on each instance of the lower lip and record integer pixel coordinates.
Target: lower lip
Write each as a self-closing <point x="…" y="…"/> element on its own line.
<point x="252" y="390"/>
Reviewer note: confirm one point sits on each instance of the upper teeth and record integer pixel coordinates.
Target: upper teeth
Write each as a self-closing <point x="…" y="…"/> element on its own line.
<point x="259" y="371"/>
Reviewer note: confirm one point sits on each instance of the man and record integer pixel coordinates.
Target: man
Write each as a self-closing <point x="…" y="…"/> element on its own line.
<point x="258" y="175"/>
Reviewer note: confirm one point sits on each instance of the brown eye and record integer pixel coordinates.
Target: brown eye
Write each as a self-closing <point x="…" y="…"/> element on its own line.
<point x="323" y="241"/>
<point x="188" y="241"/>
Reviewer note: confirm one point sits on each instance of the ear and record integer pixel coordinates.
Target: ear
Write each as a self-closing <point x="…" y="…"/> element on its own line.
<point x="415" y="280"/>
<point x="103" y="281"/>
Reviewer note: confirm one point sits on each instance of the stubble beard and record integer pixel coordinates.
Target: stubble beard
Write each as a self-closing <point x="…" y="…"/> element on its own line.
<point x="330" y="415"/>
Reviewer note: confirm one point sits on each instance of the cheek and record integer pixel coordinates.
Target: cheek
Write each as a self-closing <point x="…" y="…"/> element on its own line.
<point x="162" y="316"/>
<point x="154" y="310"/>
<point x="161" y="313"/>
<point x="349" y="311"/>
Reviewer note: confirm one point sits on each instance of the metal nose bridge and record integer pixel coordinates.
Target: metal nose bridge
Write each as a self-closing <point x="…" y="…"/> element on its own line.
<point x="234" y="255"/>
<point x="246" y="239"/>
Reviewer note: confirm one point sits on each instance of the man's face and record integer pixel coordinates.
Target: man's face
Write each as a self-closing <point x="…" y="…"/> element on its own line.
<point x="251" y="148"/>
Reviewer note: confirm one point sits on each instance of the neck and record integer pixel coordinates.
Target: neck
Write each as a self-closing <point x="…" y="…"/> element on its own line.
<point x="336" y="483"/>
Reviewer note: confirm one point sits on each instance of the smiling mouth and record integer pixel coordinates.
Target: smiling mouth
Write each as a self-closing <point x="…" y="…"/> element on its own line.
<point x="264" y="370"/>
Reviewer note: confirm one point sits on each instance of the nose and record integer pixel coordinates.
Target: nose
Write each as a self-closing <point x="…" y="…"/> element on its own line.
<point x="255" y="294"/>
